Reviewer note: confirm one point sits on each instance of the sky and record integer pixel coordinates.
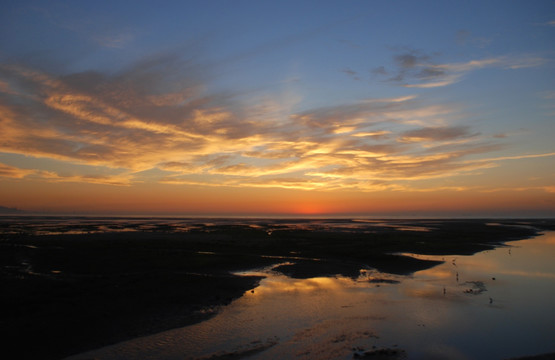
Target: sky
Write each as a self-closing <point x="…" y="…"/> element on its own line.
<point x="290" y="108"/>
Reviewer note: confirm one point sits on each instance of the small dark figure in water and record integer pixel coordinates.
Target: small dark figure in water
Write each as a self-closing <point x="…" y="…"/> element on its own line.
<point x="490" y="300"/>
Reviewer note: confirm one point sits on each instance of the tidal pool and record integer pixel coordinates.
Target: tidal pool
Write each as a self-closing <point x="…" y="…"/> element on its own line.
<point x="496" y="304"/>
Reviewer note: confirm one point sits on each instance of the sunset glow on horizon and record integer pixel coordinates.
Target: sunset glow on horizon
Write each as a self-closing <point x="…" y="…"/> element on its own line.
<point x="259" y="108"/>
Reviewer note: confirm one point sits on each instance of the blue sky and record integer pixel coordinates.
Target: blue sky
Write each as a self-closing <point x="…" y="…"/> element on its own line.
<point x="363" y="97"/>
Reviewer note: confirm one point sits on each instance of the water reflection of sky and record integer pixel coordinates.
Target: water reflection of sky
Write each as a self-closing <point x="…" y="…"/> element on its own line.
<point x="431" y="314"/>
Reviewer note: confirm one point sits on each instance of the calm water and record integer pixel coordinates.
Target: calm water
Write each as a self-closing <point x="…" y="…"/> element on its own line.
<point x="492" y="305"/>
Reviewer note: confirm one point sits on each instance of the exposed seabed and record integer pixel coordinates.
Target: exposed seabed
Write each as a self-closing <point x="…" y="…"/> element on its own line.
<point x="324" y="289"/>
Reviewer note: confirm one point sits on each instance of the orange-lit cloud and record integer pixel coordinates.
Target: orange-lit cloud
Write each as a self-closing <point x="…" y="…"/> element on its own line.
<point x="8" y="171"/>
<point x="13" y="172"/>
<point x="156" y="116"/>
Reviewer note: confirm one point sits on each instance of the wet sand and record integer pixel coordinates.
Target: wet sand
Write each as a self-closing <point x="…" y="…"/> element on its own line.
<point x="65" y="293"/>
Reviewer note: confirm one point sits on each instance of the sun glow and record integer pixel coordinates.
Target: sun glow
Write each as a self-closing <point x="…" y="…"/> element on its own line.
<point x="309" y="209"/>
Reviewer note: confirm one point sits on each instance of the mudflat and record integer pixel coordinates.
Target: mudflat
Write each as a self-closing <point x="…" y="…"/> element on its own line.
<point x="72" y="287"/>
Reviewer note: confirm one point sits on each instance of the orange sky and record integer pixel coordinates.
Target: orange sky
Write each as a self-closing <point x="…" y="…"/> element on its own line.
<point x="160" y="199"/>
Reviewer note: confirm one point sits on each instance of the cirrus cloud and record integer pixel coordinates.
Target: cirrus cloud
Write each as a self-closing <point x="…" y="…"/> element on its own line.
<point x="414" y="69"/>
<point x="157" y="115"/>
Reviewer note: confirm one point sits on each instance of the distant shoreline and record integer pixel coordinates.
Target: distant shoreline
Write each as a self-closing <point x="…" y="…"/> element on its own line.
<point x="17" y="212"/>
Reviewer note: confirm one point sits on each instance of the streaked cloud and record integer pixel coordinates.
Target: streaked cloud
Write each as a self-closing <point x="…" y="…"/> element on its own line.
<point x="516" y="157"/>
<point x="353" y="74"/>
<point x="465" y="37"/>
<point x="437" y="134"/>
<point x="50" y="176"/>
<point x="157" y="115"/>
<point x="14" y="172"/>
<point x="416" y="69"/>
<point x="547" y="189"/>
<point x="8" y="171"/>
<point x="115" y="40"/>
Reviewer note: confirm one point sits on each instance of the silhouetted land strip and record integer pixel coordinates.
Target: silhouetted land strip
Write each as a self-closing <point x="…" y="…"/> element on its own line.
<point x="66" y="293"/>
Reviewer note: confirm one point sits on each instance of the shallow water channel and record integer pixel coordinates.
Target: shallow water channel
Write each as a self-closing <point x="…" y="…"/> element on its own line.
<point x="493" y="305"/>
